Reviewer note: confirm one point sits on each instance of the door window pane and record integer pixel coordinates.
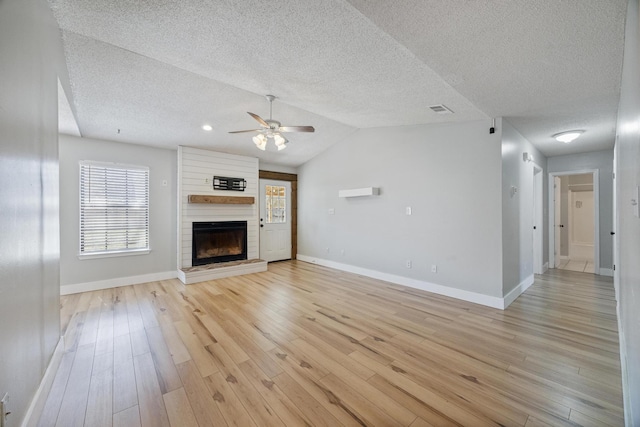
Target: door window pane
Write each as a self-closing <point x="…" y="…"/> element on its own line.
<point x="275" y="204"/>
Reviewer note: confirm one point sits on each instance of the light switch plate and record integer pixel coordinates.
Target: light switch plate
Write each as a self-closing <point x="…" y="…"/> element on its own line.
<point x="407" y="210"/>
<point x="332" y="211"/>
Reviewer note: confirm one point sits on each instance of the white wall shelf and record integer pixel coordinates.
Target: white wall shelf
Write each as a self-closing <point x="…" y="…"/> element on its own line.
<point x="359" y="192"/>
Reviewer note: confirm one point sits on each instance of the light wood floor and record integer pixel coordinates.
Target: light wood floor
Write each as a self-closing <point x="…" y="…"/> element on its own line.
<point x="577" y="265"/>
<point x="303" y="345"/>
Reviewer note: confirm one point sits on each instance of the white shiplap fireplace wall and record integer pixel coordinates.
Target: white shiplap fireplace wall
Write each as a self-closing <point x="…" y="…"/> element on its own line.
<point x="196" y="169"/>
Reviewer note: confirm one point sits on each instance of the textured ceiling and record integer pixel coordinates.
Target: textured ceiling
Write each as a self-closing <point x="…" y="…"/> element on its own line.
<point x="159" y="70"/>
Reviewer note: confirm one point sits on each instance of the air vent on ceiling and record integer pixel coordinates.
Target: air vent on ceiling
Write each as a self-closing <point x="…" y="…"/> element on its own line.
<point x="440" y="109"/>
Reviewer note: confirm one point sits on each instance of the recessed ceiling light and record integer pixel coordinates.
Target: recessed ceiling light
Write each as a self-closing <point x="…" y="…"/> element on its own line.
<point x="208" y="128"/>
<point x="568" y="136"/>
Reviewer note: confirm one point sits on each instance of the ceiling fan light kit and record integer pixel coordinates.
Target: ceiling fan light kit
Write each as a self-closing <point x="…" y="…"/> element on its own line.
<point x="272" y="129"/>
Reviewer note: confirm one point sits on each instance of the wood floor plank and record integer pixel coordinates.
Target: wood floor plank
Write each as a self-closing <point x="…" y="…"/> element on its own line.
<point x="204" y="407"/>
<point x="179" y="353"/>
<point x="125" y="394"/>
<point x="178" y="409"/>
<point x="281" y="404"/>
<point x="74" y="403"/>
<point x="343" y="370"/>
<point x="151" y="404"/>
<point x="100" y="400"/>
<point x="54" y="401"/>
<point x="305" y="402"/>
<point x="128" y="418"/>
<point x="306" y="345"/>
<point x="228" y="403"/>
<point x="357" y="403"/>
<point x="198" y="353"/>
<point x="252" y="401"/>
<point x="168" y="377"/>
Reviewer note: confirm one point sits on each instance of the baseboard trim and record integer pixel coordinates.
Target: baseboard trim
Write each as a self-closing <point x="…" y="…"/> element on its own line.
<point x="117" y="282"/>
<point x="518" y="290"/>
<point x="34" y="411"/>
<point x="606" y="272"/>
<point x="626" y="404"/>
<point x="494" y="302"/>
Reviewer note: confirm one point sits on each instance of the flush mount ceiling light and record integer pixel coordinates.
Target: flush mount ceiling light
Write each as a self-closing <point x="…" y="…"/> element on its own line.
<point x="272" y="129"/>
<point x="568" y="136"/>
<point x="208" y="128"/>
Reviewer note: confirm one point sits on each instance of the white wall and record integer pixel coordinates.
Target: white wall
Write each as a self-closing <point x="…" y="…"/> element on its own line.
<point x="581" y="225"/>
<point x="603" y="161"/>
<point x="162" y="211"/>
<point x="31" y="60"/>
<point x="517" y="208"/>
<point x="628" y="225"/>
<point x="277" y="168"/>
<point x="449" y="174"/>
<point x="196" y="169"/>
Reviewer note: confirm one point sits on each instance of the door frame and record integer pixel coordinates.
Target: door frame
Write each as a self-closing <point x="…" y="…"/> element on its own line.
<point x="596" y="214"/>
<point x="293" y="179"/>
<point x="538" y="219"/>
<point x="557" y="214"/>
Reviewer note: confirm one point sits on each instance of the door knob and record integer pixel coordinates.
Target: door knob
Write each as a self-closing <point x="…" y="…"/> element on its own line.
<point x="612" y="233"/>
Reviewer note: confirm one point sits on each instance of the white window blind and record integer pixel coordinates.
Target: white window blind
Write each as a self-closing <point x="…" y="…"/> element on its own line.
<point x="114" y="208"/>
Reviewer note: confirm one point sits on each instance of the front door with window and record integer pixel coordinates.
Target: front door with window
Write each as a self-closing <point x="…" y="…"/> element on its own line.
<point x="275" y="220"/>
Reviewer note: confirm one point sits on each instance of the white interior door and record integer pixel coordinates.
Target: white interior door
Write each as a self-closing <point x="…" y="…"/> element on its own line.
<point x="275" y="220"/>
<point x="557" y="220"/>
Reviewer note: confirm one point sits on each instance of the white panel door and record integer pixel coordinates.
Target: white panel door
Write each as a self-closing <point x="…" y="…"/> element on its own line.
<point x="275" y="220"/>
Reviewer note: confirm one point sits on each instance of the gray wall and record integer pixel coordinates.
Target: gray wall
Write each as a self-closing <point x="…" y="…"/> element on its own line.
<point x="628" y="225"/>
<point x="449" y="174"/>
<point x="603" y="161"/>
<point x="162" y="210"/>
<point x="31" y="60"/>
<point x="517" y="209"/>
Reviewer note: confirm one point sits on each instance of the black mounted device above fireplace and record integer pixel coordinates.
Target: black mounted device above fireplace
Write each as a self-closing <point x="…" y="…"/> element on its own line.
<point x="219" y="242"/>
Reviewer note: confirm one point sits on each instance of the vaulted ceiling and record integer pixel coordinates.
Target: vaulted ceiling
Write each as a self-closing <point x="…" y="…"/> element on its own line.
<point x="153" y="73"/>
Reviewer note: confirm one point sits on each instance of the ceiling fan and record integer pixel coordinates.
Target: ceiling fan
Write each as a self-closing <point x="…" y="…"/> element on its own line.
<point x="272" y="129"/>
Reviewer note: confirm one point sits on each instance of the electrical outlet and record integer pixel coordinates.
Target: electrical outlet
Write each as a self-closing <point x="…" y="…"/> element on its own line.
<point x="165" y="182"/>
<point x="4" y="410"/>
<point x="408" y="263"/>
<point x="434" y="268"/>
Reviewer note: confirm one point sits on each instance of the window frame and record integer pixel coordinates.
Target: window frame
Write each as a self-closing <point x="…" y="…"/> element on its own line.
<point x="115" y="252"/>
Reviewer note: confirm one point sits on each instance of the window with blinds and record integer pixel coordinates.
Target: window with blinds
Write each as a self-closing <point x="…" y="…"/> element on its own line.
<point x="114" y="209"/>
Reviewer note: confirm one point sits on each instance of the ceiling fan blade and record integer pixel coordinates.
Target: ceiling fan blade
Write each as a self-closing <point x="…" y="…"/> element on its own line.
<point x="296" y="129"/>
<point x="243" y="131"/>
<point x="259" y="119"/>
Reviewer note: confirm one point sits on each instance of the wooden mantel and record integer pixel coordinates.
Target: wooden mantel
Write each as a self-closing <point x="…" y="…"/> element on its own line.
<point x="222" y="200"/>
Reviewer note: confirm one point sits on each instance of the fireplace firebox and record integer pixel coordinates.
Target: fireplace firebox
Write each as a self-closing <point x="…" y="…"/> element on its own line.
<point x="219" y="242"/>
